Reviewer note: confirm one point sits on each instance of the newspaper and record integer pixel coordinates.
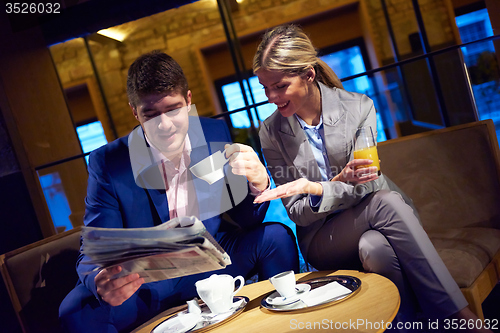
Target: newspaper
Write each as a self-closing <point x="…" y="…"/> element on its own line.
<point x="179" y="247"/>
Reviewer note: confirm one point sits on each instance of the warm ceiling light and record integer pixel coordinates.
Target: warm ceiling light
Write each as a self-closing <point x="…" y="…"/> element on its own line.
<point x="113" y="33"/>
<point x="239" y="1"/>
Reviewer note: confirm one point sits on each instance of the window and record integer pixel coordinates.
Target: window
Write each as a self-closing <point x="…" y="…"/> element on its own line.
<point x="91" y="136"/>
<point x="474" y="26"/>
<point x="57" y="202"/>
<point x="481" y="63"/>
<point x="350" y="61"/>
<point x="233" y="100"/>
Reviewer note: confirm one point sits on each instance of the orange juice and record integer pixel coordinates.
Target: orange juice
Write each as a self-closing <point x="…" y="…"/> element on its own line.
<point x="369" y="153"/>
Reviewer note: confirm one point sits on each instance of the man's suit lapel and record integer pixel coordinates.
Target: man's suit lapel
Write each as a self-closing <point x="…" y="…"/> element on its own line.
<point x="158" y="195"/>
<point x="159" y="199"/>
<point x="204" y="191"/>
<point x="199" y="151"/>
<point x="147" y="173"/>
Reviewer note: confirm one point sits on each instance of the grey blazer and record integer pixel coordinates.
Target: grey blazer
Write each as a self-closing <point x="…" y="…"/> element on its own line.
<point x="289" y="157"/>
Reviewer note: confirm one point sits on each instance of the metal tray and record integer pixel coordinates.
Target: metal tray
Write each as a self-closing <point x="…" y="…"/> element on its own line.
<point x="207" y="324"/>
<point x="350" y="282"/>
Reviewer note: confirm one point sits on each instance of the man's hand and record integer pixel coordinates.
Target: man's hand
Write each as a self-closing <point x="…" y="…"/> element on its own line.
<point x="116" y="291"/>
<point x="245" y="162"/>
<point x="299" y="186"/>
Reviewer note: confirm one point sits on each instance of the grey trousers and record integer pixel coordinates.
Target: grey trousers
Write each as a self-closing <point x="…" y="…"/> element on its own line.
<point x="382" y="235"/>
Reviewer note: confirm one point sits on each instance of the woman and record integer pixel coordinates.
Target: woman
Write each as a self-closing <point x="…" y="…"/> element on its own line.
<point x="346" y="217"/>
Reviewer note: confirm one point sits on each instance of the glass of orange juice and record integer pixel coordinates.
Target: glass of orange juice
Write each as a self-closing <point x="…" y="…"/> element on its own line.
<point x="365" y="147"/>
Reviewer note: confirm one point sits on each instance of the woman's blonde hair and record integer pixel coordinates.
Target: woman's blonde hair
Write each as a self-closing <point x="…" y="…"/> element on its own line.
<point x="288" y="49"/>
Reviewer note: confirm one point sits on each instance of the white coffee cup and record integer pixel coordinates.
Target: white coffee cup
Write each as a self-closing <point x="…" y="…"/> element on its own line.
<point x="218" y="291"/>
<point x="211" y="168"/>
<point x="284" y="283"/>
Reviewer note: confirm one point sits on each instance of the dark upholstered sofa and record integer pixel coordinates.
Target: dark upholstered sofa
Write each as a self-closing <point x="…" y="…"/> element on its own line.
<point x="453" y="177"/>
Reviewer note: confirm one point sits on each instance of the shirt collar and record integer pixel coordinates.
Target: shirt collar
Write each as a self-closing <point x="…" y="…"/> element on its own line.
<point x="304" y="125"/>
<point x="158" y="157"/>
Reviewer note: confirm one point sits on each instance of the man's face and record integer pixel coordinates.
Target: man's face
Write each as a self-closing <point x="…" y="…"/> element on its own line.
<point x="164" y="119"/>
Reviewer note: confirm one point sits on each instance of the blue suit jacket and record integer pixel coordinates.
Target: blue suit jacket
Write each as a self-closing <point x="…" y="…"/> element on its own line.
<point x="118" y="196"/>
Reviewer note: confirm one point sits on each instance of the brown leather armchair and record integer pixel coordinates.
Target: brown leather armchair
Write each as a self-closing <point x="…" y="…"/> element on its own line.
<point x="453" y="177"/>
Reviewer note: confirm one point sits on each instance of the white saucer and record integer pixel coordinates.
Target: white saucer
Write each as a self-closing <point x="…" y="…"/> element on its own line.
<point x="178" y="324"/>
<point x="276" y="299"/>
<point x="216" y="317"/>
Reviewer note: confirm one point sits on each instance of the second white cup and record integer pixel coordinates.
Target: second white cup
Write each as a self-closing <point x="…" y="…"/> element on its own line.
<point x="284" y="283"/>
<point x="217" y="291"/>
<point x="211" y="168"/>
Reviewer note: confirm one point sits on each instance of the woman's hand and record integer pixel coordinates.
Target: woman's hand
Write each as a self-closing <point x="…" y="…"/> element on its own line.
<point x="116" y="291"/>
<point x="299" y="186"/>
<point x="357" y="176"/>
<point x="245" y="162"/>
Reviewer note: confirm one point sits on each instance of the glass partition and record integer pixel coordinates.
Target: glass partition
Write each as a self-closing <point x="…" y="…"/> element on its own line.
<point x="216" y="54"/>
<point x="64" y="186"/>
<point x="471" y="92"/>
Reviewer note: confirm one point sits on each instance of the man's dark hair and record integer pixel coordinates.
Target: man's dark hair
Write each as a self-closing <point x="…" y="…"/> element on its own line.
<point x="154" y="73"/>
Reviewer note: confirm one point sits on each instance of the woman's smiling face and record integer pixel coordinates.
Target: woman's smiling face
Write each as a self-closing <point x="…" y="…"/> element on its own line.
<point x="290" y="93"/>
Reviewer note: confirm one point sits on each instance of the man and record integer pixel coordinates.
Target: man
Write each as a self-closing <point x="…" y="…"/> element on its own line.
<point x="144" y="179"/>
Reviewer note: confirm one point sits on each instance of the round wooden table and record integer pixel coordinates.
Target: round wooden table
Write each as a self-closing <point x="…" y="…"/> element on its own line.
<point x="376" y="304"/>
